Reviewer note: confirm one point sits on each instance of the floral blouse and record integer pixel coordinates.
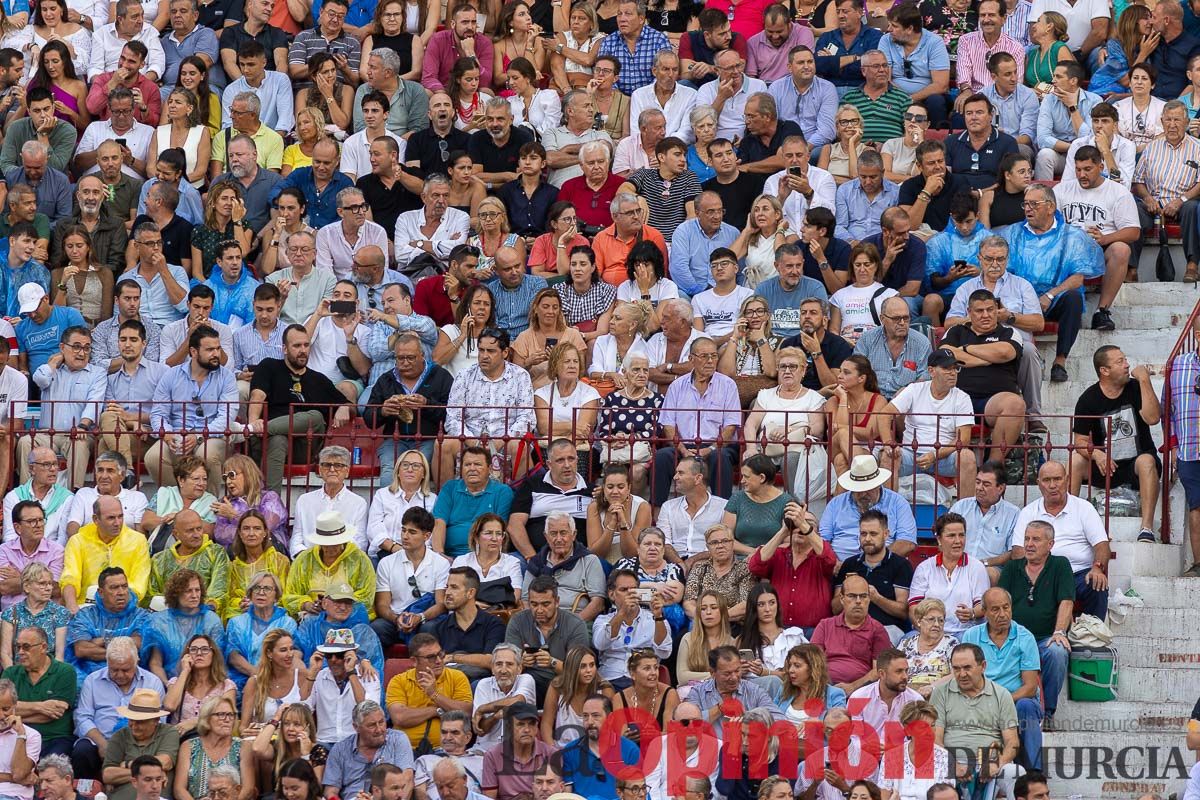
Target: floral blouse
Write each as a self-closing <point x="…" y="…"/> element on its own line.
<point x="734" y="585"/>
<point x="926" y="668"/>
<point x="49" y="619"/>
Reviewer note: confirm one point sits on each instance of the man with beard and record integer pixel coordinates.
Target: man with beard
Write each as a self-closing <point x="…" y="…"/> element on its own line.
<point x="233" y="288"/>
<point x="107" y="230"/>
<point x="864" y="485"/>
<point x="468" y="633"/>
<point x="321" y="184"/>
<point x="199" y="396"/>
<point x="886" y="697"/>
<point x="130" y="387"/>
<point x="348" y="244"/>
<point x="826" y="350"/>
<point x="429" y="149"/>
<point x="120" y="187"/>
<point x="584" y="765"/>
<point x="496" y="149"/>
<point x="461" y="39"/>
<point x="245" y="108"/>
<point x="1012" y="660"/>
<point x="386" y="187"/>
<point x="258" y="184"/>
<point x="509" y="767"/>
<point x="888" y="576"/>
<point x="290" y="403"/>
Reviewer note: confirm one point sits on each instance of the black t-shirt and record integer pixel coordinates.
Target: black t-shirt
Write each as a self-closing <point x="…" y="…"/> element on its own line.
<point x="738" y="196"/>
<point x="538" y="496"/>
<point x="276" y="380"/>
<point x="1131" y="435"/>
<point x="893" y="573"/>
<point x="269" y="37"/>
<point x="387" y="204"/>
<point x="1007" y="208"/>
<point x="835" y="350"/>
<point x="937" y="212"/>
<point x="425" y="147"/>
<point x="176" y="236"/>
<point x="217" y="12"/>
<point x="753" y="149"/>
<point x="498" y="159"/>
<point x="983" y="382"/>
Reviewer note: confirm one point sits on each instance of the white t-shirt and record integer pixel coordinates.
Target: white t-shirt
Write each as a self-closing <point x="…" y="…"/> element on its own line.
<point x="920" y="426"/>
<point x="719" y="312"/>
<point x="488" y="692"/>
<point x="663" y="289"/>
<point x="356" y="153"/>
<point x="507" y="567"/>
<point x="133" y="503"/>
<point x="1077" y="529"/>
<point x="394" y="570"/>
<point x="328" y="345"/>
<point x="14" y="391"/>
<point x="855" y="304"/>
<point x="565" y="406"/>
<point x="1079" y="16"/>
<point x="1109" y="206"/>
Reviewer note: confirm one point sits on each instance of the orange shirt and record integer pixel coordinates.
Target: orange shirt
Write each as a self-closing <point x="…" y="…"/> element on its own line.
<point x="611" y="252"/>
<point x="282" y="18"/>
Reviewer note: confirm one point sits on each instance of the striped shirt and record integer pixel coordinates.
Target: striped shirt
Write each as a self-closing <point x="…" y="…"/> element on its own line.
<point x="512" y="305"/>
<point x="104" y="340"/>
<point x="1164" y="168"/>
<point x="667" y="200"/>
<point x="1185" y="405"/>
<point x="249" y="347"/>
<point x="635" y="67"/>
<point x="1016" y="25"/>
<point x="883" y="118"/>
<point x="311" y="41"/>
<point x="973" y="55"/>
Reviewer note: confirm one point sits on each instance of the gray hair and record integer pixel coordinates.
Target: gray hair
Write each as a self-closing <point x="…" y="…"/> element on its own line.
<point x="661" y="54"/>
<point x="334" y="451"/>
<point x="458" y="716"/>
<point x="1045" y="191"/>
<point x="59" y="763"/>
<point x="594" y="144"/>
<point x="516" y="651"/>
<point x="641" y="6"/>
<point x="8" y="687"/>
<point x="701" y="113"/>
<point x="388" y="57"/>
<point x="678" y="305"/>
<point x="363" y="710"/>
<point x="253" y="104"/>
<point x="822" y="302"/>
<point x="111" y="455"/>
<point x="560" y="516"/>
<point x="652" y="531"/>
<point x="240" y="138"/>
<point x="1175" y="105"/>
<point x="647" y="115"/>
<point x="868" y="158"/>
<point x="435" y="179"/>
<point x="34" y="148"/>
<point x="258" y="576"/>
<point x="992" y="242"/>
<point x="620" y="199"/>
<point x="348" y="192"/>
<point x="452" y="762"/>
<point x="570" y="97"/>
<point x="228" y="772"/>
<point x="496" y="104"/>
<point x="121" y="648"/>
<point x="1042" y="525"/>
<point x="20" y="190"/>
<point x="766" y="105"/>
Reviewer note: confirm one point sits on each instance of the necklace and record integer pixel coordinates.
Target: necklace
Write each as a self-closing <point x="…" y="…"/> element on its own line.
<point x="649" y="709"/>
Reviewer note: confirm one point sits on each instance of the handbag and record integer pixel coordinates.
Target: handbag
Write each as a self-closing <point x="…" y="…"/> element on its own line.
<point x="636" y="453"/>
<point x="498" y="592"/>
<point x="797" y="432"/>
<point x="424" y="747"/>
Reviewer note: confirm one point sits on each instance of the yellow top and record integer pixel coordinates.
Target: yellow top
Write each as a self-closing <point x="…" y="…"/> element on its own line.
<point x="240" y="574"/>
<point x="404" y="689"/>
<point x="308" y="577"/>
<point x="86" y="556"/>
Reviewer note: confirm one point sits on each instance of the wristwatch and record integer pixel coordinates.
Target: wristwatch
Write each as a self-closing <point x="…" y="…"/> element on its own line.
<point x="352" y="340"/>
<point x="1072" y="109"/>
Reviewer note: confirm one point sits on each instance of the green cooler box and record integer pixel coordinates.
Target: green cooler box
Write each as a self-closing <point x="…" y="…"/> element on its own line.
<point x="1092" y="675"/>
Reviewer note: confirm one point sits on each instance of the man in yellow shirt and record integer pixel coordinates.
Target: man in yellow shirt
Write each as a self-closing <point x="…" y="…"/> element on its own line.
<point x="416" y="699"/>
<point x="105" y="542"/>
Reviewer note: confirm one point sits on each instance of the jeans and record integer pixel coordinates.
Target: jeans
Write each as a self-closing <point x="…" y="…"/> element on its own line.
<point x="1067" y="311"/>
<point x="1054" y="672"/>
<point x="1091" y="601"/>
<point x="1029" y="722"/>
<point x="391" y="450"/>
<point x="86" y="760"/>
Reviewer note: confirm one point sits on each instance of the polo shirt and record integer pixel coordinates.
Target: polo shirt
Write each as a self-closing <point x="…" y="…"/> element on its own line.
<point x="58" y="683"/>
<point x="256" y="196"/>
<point x="587" y="772"/>
<point x="428" y="152"/>
<point x="509" y="776"/>
<point x="458" y="509"/>
<point x="988" y="534"/>
<point x="937" y="210"/>
<point x="1005" y="662"/>
<point x="538" y="497"/>
<point x="1036" y="607"/>
<point x="122" y="748"/>
<point x="176" y="236"/>
<point x="973" y="723"/>
<point x="753" y="149"/>
<point x="498" y="158"/>
<point x="404" y="689"/>
<point x="892" y="573"/>
<point x="908" y="266"/>
<point x="1077" y="529"/>
<point x="929" y="56"/>
<point x="962" y="587"/>
<point x="396" y="568"/>
<point x="349" y="773"/>
<point x="804" y="589"/>
<point x="876" y="712"/>
<point x="839" y="523"/>
<point x="485" y="632"/>
<point x="569" y="632"/>
<point x="850" y="652"/>
<point x="883" y="117"/>
<point x="980" y="167"/>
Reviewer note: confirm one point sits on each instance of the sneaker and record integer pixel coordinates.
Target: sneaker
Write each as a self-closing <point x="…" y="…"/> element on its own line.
<point x="1147" y="536"/>
<point x="1102" y="320"/>
<point x="1048" y="723"/>
<point x="1036" y="426"/>
<point x="1194" y="572"/>
<point x="1058" y="373"/>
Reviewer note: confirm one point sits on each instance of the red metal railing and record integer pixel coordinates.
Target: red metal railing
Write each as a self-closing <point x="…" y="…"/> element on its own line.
<point x="1186" y="344"/>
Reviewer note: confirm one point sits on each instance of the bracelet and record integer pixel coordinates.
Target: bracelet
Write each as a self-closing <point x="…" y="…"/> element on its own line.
<point x="924" y="195"/>
<point x="660" y="619"/>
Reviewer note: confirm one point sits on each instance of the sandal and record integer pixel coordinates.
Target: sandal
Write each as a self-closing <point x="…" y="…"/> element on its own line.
<point x="1190" y="275"/>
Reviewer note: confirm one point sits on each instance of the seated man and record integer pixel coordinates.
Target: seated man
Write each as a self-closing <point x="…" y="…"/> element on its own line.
<point x="879" y="101"/>
<point x="496" y="148"/>
<point x="545" y="632"/>
<point x="333" y="463"/>
<point x="597" y="182"/>
<point x="164" y="286"/>
<point x="1117" y="154"/>
<point x="578" y="573"/>
<point x="897" y="353"/>
<point x="354" y="761"/>
<point x="590" y="765"/>
<point x="505" y="686"/>
<point x="22" y="207"/>
<point x="417" y="698"/>
<point x="990" y="354"/>
<point x="976" y="152"/>
<point x="764" y="135"/>
<point x="28" y="546"/>
<point x="826" y="350"/>
<point x="1047" y="583"/>
<point x="320" y="183"/>
<point x="342" y="682"/>
<point x="927" y="196"/>
<point x="427" y="236"/>
<point x="919" y="60"/>
<point x="1126" y="399"/>
<point x="144" y="739"/>
<point x="38" y="122"/>
<point x="1163" y="182"/>
<point x="335" y="351"/>
<point x="418" y="574"/>
<point x="628" y="627"/>
<point x="340" y="240"/>
<point x="727" y="685"/>
<point x="938" y="419"/>
<point x="513" y="290"/>
<point x="885" y="698"/>
<point x="40" y="331"/>
<point x="697" y="239"/>
<point x="953" y="254"/>
<point x="718" y="308"/>
<point x="467" y="634"/>
<point x="1011" y="655"/>
<point x="113" y="614"/>
<point x="940" y="577"/>
<point x="109" y="469"/>
<point x="333" y="560"/>
<point x="863" y="201"/>
<point x="147" y="105"/>
<point x="613" y="244"/>
<point x="301" y="285"/>
<point x="852" y="640"/>
<point x="798" y="563"/>
<point x="864" y="485"/>
<point x="233" y="286"/>
<point x="96" y="547"/>
<point x="1056" y="259"/>
<point x="1064" y="116"/>
<point x="97" y="715"/>
<point x="888" y="574"/>
<point x="666" y="94"/>
<point x="737" y="187"/>
<point x="669" y="189"/>
<point x="564" y="144"/>
<point x="1107" y="212"/>
<point x="542" y="493"/>
<point x="990" y="518"/>
<point x="457" y="736"/>
<point x="129" y="392"/>
<point x="20" y="265"/>
<point x="639" y="149"/>
<point x="522" y="745"/>
<point x="46" y="690"/>
<point x="698" y="49"/>
<point x="192" y="550"/>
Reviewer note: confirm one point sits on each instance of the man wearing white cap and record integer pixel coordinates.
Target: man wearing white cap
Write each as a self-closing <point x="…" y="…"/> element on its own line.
<point x="72" y="393"/>
<point x="332" y="560"/>
<point x="342" y="682"/>
<point x="864" y="485"/>
<point x="340" y="609"/>
<point x="41" y="327"/>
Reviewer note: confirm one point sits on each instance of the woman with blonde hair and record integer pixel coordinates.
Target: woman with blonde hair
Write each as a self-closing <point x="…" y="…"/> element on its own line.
<point x="183" y="128"/>
<point x="224" y="219"/>
<point x="494" y="232"/>
<point x="840" y="158"/>
<point x="215" y="746"/>
<point x="201" y="677"/>
<point x="310" y="128"/>
<point x="547" y="328"/>
<point x="916" y="778"/>
<point x="500" y="573"/>
<point x="281" y="679"/>
<point x="1048" y="35"/>
<point x="34" y="609"/>
<point x="290" y="733"/>
<point x="617" y="518"/>
<point x="766" y="229"/>
<point x="245" y="632"/>
<point x="806" y="679"/>
<point x="253" y="553"/>
<point x="566" y="406"/>
<point x="245" y="491"/>
<point x="410" y="487"/>
<point x="623" y="340"/>
<point x="710" y="629"/>
<point x="576" y="43"/>
<point x="579" y="680"/>
<point x="928" y="652"/>
<point x="749" y="356"/>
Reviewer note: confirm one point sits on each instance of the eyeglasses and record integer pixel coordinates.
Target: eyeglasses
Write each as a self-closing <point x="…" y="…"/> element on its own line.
<point x="44" y="464"/>
<point x="444" y="149"/>
<point x="1139" y="122"/>
<point x="38" y="522"/>
<point x="905" y="318"/>
<point x="993" y="260"/>
<point x="225" y="715"/>
<point x="299" y="248"/>
<point x="153" y="244"/>
<point x="78" y="348"/>
<point x="908" y="68"/>
<point x="974" y="162"/>
<point x="357" y="208"/>
<point x="333" y="465"/>
<point x="915" y="118"/>
<point x="262" y="588"/>
<point x="27" y="646"/>
<point x="199" y="406"/>
<point x="203" y="650"/>
<point x="490" y="215"/>
<point x="787" y="367"/>
<point x="438" y="656"/>
<point x="1029" y="599"/>
<point x="847" y="122"/>
<point x="371" y="302"/>
<point x="1033" y="203"/>
<point x="411" y="465"/>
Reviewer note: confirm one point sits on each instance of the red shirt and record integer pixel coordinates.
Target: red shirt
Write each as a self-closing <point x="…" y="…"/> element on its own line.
<point x="805" y="590"/>
<point x="430" y="299"/>
<point x="591" y="208"/>
<point x="850" y="653"/>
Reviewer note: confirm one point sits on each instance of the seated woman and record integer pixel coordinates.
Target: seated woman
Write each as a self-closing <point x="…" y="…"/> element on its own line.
<point x="466" y="193"/>
<point x="297" y="780"/>
<point x="855" y="308"/>
<point x="244" y="491"/>
<point x="900" y="154"/>
<point x="253" y="553"/>
<point x="192" y="492"/>
<point x="765" y="635"/>
<point x="928" y="652"/>
<point x="840" y="158"/>
<point x="547" y="328"/>
<point x="656" y="574"/>
<point x="539" y="110"/>
<point x="579" y="680"/>
<point x="34" y="609"/>
<point x="468" y="96"/>
<point x="167" y="631"/>
<point x="214" y="747"/>
<point x="549" y="254"/>
<point x="617" y="517"/>
<point x="411" y="488"/>
<point x="494" y="233"/>
<point x="290" y="734"/>
<point x="720" y="573"/>
<point x="628" y="421"/>
<point x="808" y="681"/>
<point x="647" y="282"/>
<point x="201" y="677"/>
<point x="766" y="229"/>
<point x="1121" y="52"/>
<point x="587" y="300"/>
<point x="710" y="629"/>
<point x="755" y="511"/>
<point x="310" y="128"/>
<point x="328" y="95"/>
<point x="624" y="339"/>
<point x="853" y="406"/>
<point x="500" y="573"/>
<point x="87" y="285"/>
<point x="457" y="348"/>
<point x="281" y="678"/>
<point x="915" y="779"/>
<point x="647" y="693"/>
<point x="245" y="632"/>
<point x="566" y="406"/>
<point x="749" y="355"/>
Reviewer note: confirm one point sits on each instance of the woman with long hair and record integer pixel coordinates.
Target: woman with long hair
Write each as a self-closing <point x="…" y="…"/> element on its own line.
<point x="193" y="76"/>
<point x="51" y="23"/>
<point x="87" y="285"/>
<point x="548" y="255"/>
<point x="587" y="300"/>
<point x="183" y="127"/>
<point x="411" y="487"/>
<point x="328" y="95"/>
<point x="201" y="677"/>
<point x="458" y="343"/>
<point x="766" y="229"/>
<point x="468" y="96"/>
<point x="280" y="680"/>
<point x="517" y="36"/>
<point x="310" y="127"/>
<point x="56" y="72"/>
<point x="297" y="780"/>
<point x="245" y="491"/>
<point x="290" y="736"/>
<point x="393" y="31"/>
<point x="466" y="191"/>
<point x="710" y="629"/>
<point x="806" y="678"/>
<point x="647" y="692"/>
<point x="853" y="411"/>
<point x="566" y="406"/>
<point x="764" y="633"/>
<point x="1139" y="116"/>
<point x="1133" y="43"/>
<point x="1048" y="35"/>
<point x="617" y="518"/>
<point x="540" y="110"/>
<point x="840" y="159"/>
<point x="190" y="491"/>
<point x="547" y="329"/>
<point x="290" y="219"/>
<point x="579" y="680"/>
<point x="494" y="232"/>
<point x="224" y="219"/>
<point x="856" y="307"/>
<point x="579" y="40"/>
<point x="647" y="282"/>
<point x="496" y="569"/>
<point x="245" y="632"/>
<point x="215" y="746"/>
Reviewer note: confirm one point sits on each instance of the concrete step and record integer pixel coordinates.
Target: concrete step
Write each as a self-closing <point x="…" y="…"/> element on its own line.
<point x="1147" y="347"/>
<point x="1156" y="623"/>
<point x="1120" y="717"/>
<point x="1115" y="767"/>
<point x="1137" y="558"/>
<point x="1168" y="592"/>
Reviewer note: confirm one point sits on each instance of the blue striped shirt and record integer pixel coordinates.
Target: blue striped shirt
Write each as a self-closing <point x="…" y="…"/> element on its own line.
<point x="249" y="348"/>
<point x="136" y="390"/>
<point x="512" y="305"/>
<point x="1163" y="168"/>
<point x="1185" y="405"/>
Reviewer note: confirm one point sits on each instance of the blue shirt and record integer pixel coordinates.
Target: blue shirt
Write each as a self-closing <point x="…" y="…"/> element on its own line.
<point x="201" y="41"/>
<point x="908" y="266"/>
<point x="839" y="523"/>
<point x="249" y="347"/>
<point x="512" y="305"/>
<point x="830" y="66"/>
<point x="586" y="772"/>
<point x="929" y="56"/>
<point x="1016" y="114"/>
<point x="988" y="535"/>
<point x="132" y="390"/>
<point x="858" y="215"/>
<point x="191" y="207"/>
<point x="176" y="408"/>
<point x="362" y="12"/>
<point x="349" y="772"/>
<point x="1005" y="663"/>
<point x="234" y="304"/>
<point x="16" y="277"/>
<point x="70" y="396"/>
<point x="814" y="111"/>
<point x="369" y="295"/>
<point x="322" y="205"/>
<point x="278" y="106"/>
<point x="458" y="509"/>
<point x="785" y="305"/>
<point x="39" y="341"/>
<point x="376" y="345"/>
<point x="53" y="191"/>
<point x="1171" y="60"/>
<point x="748" y="693"/>
<point x="156" y="303"/>
<point x="99" y="698"/>
<point x="1054" y="120"/>
<point x="895" y="373"/>
<point x="690" y="249"/>
<point x="635" y="66"/>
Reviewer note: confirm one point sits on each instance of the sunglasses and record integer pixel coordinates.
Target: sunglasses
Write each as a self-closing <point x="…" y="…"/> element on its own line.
<point x="915" y="117"/>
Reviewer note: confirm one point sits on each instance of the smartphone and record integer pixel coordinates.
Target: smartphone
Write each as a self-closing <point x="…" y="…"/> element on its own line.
<point x="343" y="307"/>
<point x="797" y="171"/>
<point x="531" y="650"/>
<point x="960" y="264"/>
<point x="121" y="142"/>
<point x="551" y="342"/>
<point x="746" y="655"/>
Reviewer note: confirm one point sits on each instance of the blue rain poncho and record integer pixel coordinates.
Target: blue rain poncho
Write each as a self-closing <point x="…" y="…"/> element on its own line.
<point x="312" y="631"/>
<point x="169" y="631"/>
<point x="1049" y="258"/>
<point x="244" y="635"/>
<point x="943" y="249"/>
<point x="94" y="621"/>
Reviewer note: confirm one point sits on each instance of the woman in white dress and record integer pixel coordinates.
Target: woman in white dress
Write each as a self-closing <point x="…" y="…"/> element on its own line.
<point x="487" y="557"/>
<point x="410" y="488"/>
<point x="182" y="127"/>
<point x="766" y="229"/>
<point x="856" y="307"/>
<point x="458" y="343"/>
<point x="540" y="110"/>
<point x="566" y="407"/>
<point x="50" y="24"/>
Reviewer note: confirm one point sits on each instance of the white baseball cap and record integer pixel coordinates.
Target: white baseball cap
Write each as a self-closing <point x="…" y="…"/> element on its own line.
<point x="30" y="297"/>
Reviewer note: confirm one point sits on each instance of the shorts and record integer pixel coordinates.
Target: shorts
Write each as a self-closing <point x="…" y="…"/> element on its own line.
<point x="946" y="467"/>
<point x="1189" y="476"/>
<point x="979" y="403"/>
<point x="1125" y="475"/>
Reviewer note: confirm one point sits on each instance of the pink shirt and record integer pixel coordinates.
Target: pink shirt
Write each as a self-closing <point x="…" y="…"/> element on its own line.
<point x="850" y="653"/>
<point x="33" y="749"/>
<point x="876" y="712"/>
<point x="769" y="63"/>
<point x="49" y="554"/>
<point x="973" y="55"/>
<point x="441" y="53"/>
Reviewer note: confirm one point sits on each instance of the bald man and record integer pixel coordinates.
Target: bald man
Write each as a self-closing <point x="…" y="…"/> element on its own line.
<point x="853" y="639"/>
<point x="108" y="231"/>
<point x="192" y="548"/>
<point x="321" y="183"/>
